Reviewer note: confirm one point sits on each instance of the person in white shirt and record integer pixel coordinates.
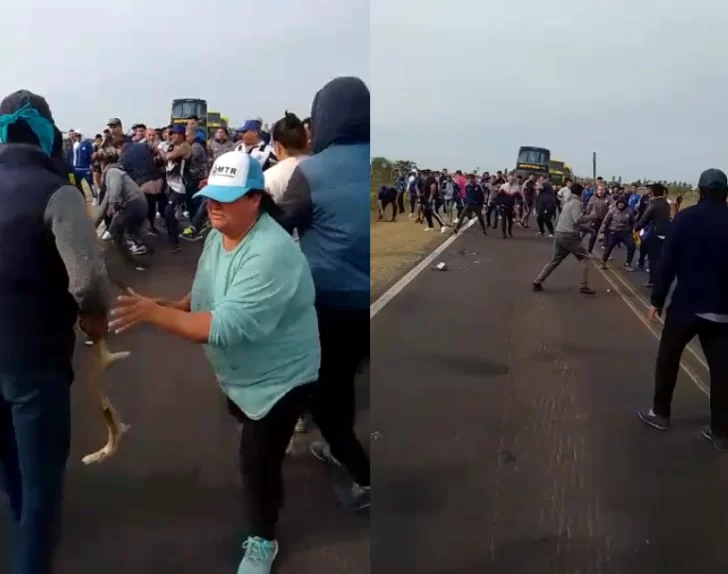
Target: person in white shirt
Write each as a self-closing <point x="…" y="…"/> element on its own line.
<point x="290" y="142"/>
<point x="256" y="147"/>
<point x="564" y="193"/>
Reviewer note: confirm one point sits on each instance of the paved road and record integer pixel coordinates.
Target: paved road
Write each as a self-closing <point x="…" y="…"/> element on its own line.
<point x="507" y="436"/>
<point x="169" y="502"/>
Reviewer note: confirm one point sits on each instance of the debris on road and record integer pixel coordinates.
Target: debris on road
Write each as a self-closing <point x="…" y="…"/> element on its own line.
<point x="442" y="266"/>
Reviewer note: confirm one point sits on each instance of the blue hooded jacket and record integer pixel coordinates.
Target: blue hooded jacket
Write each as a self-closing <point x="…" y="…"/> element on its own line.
<point x="334" y="228"/>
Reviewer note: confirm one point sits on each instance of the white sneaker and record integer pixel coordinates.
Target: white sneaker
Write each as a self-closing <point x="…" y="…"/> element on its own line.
<point x="106" y="236"/>
<point x="455" y="221"/>
<point x="443" y="229"/>
<point x="138" y="250"/>
<point x="428" y="228"/>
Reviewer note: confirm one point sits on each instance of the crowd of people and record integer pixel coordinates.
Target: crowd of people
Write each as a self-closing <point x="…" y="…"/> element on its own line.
<point x="614" y="216"/>
<point x="154" y="173"/>
<point x="284" y="323"/>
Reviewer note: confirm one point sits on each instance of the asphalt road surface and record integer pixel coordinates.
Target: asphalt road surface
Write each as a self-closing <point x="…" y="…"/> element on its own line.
<point x="507" y="440"/>
<point x="168" y="502"/>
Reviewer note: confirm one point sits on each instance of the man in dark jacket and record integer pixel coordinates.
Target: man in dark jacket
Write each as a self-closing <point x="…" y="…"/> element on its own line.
<point x="654" y="223"/>
<point x="546" y="204"/>
<point x="51" y="272"/>
<point x="329" y="205"/>
<point x="694" y="254"/>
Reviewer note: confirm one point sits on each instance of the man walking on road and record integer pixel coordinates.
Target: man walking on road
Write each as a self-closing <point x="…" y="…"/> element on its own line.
<point x="693" y="253"/>
<point x="51" y="271"/>
<point x="567" y="241"/>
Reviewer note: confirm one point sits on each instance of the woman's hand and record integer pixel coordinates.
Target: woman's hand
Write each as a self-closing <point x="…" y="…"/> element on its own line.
<point x="131" y="309"/>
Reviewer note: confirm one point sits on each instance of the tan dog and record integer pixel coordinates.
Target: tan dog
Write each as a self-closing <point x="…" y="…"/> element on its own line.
<point x="115" y="428"/>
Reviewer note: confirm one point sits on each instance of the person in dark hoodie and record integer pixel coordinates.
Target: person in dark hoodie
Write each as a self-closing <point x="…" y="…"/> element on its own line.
<point x="331" y="191"/>
<point x="655" y="222"/>
<point x="51" y="272"/>
<point x="546" y="204"/>
<point x="474" y="202"/>
<point x="694" y="255"/>
<point x="387" y="196"/>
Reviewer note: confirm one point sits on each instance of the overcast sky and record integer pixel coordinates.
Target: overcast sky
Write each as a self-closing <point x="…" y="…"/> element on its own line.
<point x="247" y="58"/>
<point x="462" y="84"/>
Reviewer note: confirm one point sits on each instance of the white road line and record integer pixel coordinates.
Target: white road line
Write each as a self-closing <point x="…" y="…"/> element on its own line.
<point x="651" y="328"/>
<point x="646" y="303"/>
<point x="397" y="288"/>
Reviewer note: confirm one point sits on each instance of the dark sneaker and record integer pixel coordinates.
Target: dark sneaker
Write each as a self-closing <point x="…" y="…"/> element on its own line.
<point x="175" y="249"/>
<point x="628" y="267"/>
<point x="321" y="450"/>
<point x="719" y="443"/>
<point x="537" y="286"/>
<point x="640" y="267"/>
<point x="603" y="266"/>
<point x="586" y="290"/>
<point x="354" y="498"/>
<point x="648" y="285"/>
<point x="655" y="421"/>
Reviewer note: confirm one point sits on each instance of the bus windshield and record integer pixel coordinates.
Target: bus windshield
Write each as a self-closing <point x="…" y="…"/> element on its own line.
<point x="556" y="166"/>
<point x="533" y="156"/>
<point x="183" y="109"/>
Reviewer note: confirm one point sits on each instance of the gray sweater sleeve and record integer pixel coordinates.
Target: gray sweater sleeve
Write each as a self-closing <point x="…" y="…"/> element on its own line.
<point x="114" y="186"/>
<point x="67" y="217"/>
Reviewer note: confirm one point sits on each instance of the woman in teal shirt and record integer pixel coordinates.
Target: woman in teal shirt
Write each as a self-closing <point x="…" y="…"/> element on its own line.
<point x="252" y="307"/>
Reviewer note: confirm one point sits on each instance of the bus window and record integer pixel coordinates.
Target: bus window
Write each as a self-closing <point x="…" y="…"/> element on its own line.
<point x="533" y="156"/>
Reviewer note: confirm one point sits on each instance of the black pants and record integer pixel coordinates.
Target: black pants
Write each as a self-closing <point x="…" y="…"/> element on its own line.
<point x="200" y="218"/>
<point x="506" y="220"/>
<point x="384" y="204"/>
<point x="263" y="445"/>
<point x="155" y="203"/>
<point x="129" y="221"/>
<point x="679" y="330"/>
<point x="174" y="200"/>
<point x="412" y="202"/>
<point x="469" y="210"/>
<point x="623" y="237"/>
<point x="596" y="226"/>
<point x="545" y="218"/>
<point x="489" y="211"/>
<point x="429" y="214"/>
<point x="344" y="346"/>
<point x="654" y="254"/>
<point x="400" y="201"/>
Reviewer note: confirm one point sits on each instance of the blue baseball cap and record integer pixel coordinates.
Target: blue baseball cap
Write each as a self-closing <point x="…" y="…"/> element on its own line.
<point x="233" y="175"/>
<point x="249" y="126"/>
<point x="178" y="129"/>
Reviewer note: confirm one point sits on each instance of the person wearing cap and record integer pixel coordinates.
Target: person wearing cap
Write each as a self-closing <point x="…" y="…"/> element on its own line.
<point x="252" y="307"/>
<point x="253" y="145"/>
<point x="51" y="273"/>
<point x="177" y="175"/>
<point x="333" y="223"/>
<point x="694" y="258"/>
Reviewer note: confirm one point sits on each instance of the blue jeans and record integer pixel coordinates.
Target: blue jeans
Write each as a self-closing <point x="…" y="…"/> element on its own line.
<point x="35" y="433"/>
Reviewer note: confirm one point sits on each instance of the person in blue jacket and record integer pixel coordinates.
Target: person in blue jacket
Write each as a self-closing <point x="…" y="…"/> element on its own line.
<point x="83" y="150"/>
<point x="329" y="203"/>
<point x="694" y="255"/>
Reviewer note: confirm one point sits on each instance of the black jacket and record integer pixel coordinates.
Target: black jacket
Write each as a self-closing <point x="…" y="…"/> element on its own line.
<point x="657" y="215"/>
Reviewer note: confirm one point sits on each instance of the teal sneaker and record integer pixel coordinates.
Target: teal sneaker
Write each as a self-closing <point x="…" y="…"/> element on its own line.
<point x="259" y="556"/>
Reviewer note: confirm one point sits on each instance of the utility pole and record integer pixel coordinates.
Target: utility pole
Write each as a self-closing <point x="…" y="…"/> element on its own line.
<point x="594" y="166"/>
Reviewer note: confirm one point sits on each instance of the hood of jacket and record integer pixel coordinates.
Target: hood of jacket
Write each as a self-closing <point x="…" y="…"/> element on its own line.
<point x="340" y="114"/>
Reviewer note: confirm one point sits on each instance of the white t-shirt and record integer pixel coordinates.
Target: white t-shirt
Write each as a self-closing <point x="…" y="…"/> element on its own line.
<point x="563" y="195"/>
<point x="277" y="177"/>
